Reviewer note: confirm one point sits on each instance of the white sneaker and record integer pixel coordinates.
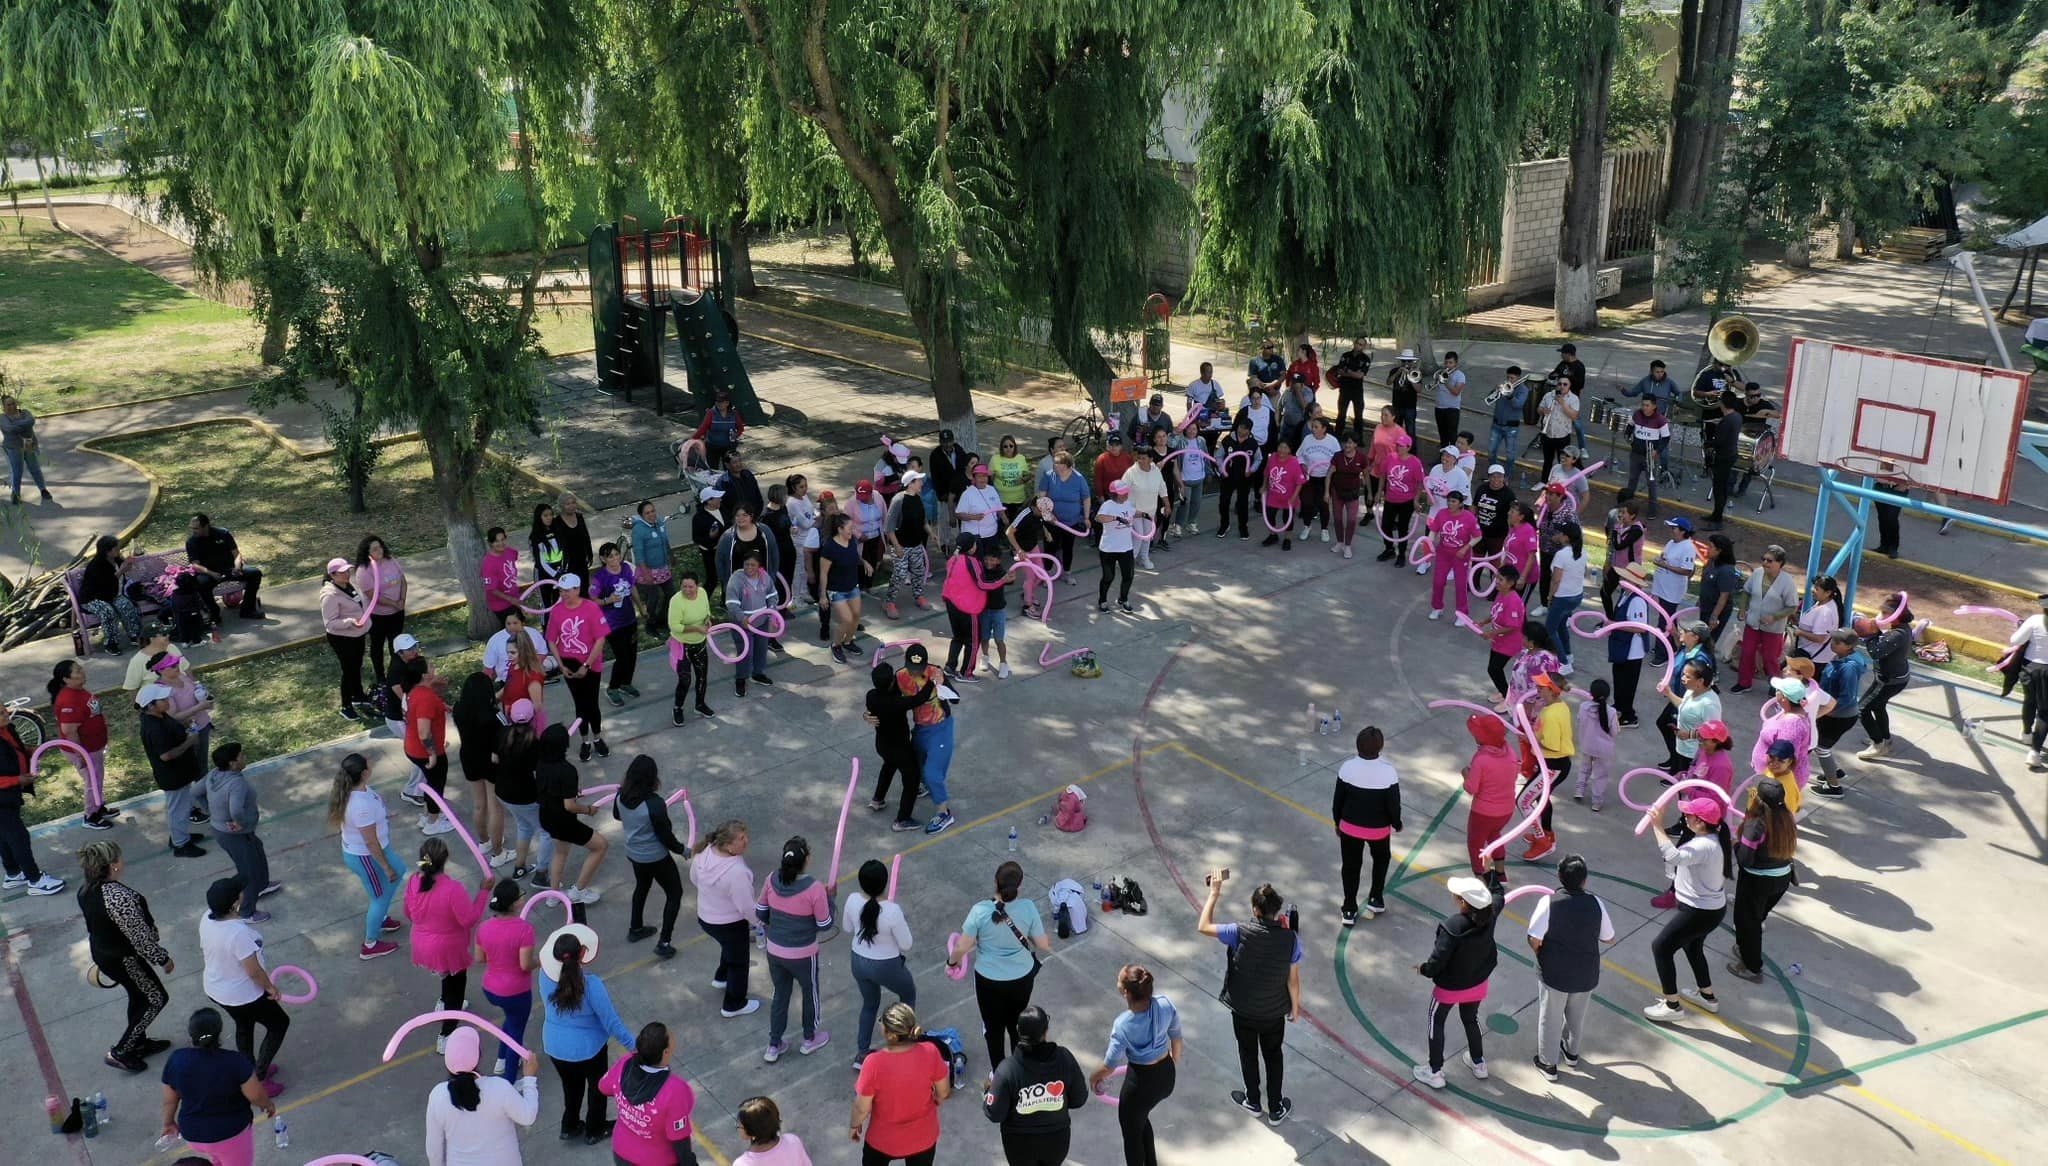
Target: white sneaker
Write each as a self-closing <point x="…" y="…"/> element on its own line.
<point x="1430" y="1077"/>
<point x="504" y="856"/>
<point x="1002" y="672"/>
<point x="1194" y="528"/>
<point x="1876" y="752"/>
<point x="1564" y="668"/>
<point x="1347" y="552"/>
<point x="1302" y="532"/>
<point x="440" y="1044"/>
<point x="747" y="1009"/>
<point x="1173" y="531"/>
<point x="1478" y="1067"/>
<point x="13" y="881"/>
<point x="1693" y="994"/>
<point x="1326" y="536"/>
<point x="1664" y="1012"/>
<point x="2036" y="759"/>
<point x="585" y="894"/>
<point x="439" y="824"/>
<point x="1422" y="568"/>
<point x="47" y="885"/>
<point x="1436" y="614"/>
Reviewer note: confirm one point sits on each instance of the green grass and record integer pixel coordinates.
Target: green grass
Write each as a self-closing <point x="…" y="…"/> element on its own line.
<point x="563" y="329"/>
<point x="288" y="513"/>
<point x="79" y="327"/>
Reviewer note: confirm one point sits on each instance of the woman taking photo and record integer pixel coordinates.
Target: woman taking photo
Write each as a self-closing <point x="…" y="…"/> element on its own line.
<point x="1699" y="870"/>
<point x="611" y="585"/>
<point x="652" y="552"/>
<point x="1145" y="1037"/>
<point x="577" y="631"/>
<point x="561" y="811"/>
<point x="844" y="569"/>
<point x="1763" y="856"/>
<point x="518" y="794"/>
<point x="383" y="576"/>
<point x="474" y="1120"/>
<point x="896" y="1097"/>
<point x="476" y="719"/>
<point x="881" y="943"/>
<point x="505" y="944"/>
<point x="366" y="849"/>
<point x="794" y="910"/>
<point x="1035" y="1116"/>
<point x="235" y="979"/>
<point x="121" y="937"/>
<point x="80" y="720"/>
<point x="344" y="615"/>
<point x="653" y="1127"/>
<point x="208" y="1094"/>
<point x="1001" y="933"/>
<point x="650" y="840"/>
<point x="1694" y="704"/>
<point x="725" y="905"/>
<point x="443" y="913"/>
<point x="580" y="1020"/>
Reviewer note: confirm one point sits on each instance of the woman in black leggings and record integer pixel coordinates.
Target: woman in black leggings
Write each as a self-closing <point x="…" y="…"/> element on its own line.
<point x="1367" y="809"/>
<point x="1116" y="546"/>
<point x="650" y="841"/>
<point x="1700" y="869"/>
<point x="1146" y="1038"/>
<point x="1891" y="653"/>
<point x="122" y="939"/>
<point x="1037" y="1121"/>
<point x="250" y="996"/>
<point x="1003" y="932"/>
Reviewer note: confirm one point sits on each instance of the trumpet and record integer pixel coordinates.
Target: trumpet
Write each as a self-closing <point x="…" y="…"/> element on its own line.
<point x="1412" y="375"/>
<point x="1509" y="386"/>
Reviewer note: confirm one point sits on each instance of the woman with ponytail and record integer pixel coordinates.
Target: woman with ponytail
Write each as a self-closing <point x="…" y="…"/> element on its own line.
<point x="474" y="1120"/>
<point x="366" y="849"/>
<point x="881" y="937"/>
<point x="1763" y="858"/>
<point x="794" y="909"/>
<point x="81" y="721"/>
<point x="1146" y="1037"/>
<point x="1035" y="1117"/>
<point x="650" y="841"/>
<point x="580" y="1020"/>
<point x="505" y="943"/>
<point x="443" y="914"/>
<point x="654" y="1104"/>
<point x="208" y="1091"/>
<point x="725" y="903"/>
<point x="1700" y="868"/>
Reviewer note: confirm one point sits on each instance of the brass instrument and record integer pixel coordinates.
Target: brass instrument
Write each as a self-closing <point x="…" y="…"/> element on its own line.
<point x="1733" y="340"/>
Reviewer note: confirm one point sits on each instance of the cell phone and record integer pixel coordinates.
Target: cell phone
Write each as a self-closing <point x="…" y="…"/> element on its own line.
<point x="1211" y="879"/>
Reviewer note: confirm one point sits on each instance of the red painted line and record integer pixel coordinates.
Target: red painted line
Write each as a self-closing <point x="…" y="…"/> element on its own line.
<point x="1405" y="1081"/>
<point x="45" y="1060"/>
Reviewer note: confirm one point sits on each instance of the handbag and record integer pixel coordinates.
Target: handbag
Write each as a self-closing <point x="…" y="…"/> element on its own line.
<point x="1002" y="915"/>
<point x="650" y="576"/>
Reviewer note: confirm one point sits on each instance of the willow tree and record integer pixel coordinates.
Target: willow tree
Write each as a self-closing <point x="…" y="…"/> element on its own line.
<point x="368" y="133"/>
<point x="1707" y="34"/>
<point x="1368" y="175"/>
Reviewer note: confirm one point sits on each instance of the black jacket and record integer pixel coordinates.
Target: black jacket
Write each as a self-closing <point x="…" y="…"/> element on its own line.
<point x="1464" y="955"/>
<point x="949" y="470"/>
<point x="1036" y="1090"/>
<point x="1375" y="807"/>
<point x="575" y="544"/>
<point x="892" y="708"/>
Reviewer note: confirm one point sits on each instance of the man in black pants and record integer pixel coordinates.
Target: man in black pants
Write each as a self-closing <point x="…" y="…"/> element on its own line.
<point x="213" y="550"/>
<point x="1240" y="478"/>
<point x="1349" y="377"/>
<point x="1262" y="989"/>
<point x="1727" y="443"/>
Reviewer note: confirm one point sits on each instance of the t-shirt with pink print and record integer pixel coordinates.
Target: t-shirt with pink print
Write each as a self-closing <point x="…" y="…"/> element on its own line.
<point x="384" y="578"/>
<point x="500" y="571"/>
<point x="1404" y="478"/>
<point x="1454" y="533"/>
<point x="578" y="634"/>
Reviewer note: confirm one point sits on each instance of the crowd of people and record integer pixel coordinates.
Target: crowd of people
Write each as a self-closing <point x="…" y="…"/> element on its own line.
<point x="1515" y="570"/>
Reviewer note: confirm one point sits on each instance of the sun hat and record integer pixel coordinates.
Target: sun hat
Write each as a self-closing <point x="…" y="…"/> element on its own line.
<point x="1705" y="809"/>
<point x="553" y="966"/>
<point x="1471" y="890"/>
<point x="522" y="712"/>
<point x="334" y="565"/>
<point x="150" y="694"/>
<point x="169" y="663"/>
<point x="463" y="1050"/>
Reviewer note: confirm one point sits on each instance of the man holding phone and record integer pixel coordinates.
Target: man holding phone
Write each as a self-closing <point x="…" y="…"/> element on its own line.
<point x="1262" y="989"/>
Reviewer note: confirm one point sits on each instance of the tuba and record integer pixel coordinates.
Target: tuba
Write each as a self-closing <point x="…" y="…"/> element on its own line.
<point x="1733" y="340"/>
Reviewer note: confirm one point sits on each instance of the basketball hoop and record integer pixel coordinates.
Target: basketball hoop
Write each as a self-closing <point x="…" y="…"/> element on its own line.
<point x="1871" y="466"/>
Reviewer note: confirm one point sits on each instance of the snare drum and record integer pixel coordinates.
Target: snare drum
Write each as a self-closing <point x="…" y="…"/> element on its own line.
<point x="1757" y="452"/>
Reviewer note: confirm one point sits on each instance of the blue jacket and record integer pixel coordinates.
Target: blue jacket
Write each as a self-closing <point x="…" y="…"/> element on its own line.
<point x="580" y="1035"/>
<point x="1508" y="410"/>
<point x="1842" y="677"/>
<point x="650" y="542"/>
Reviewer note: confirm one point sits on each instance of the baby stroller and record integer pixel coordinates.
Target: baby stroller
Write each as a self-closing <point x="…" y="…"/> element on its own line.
<point x="693" y="470"/>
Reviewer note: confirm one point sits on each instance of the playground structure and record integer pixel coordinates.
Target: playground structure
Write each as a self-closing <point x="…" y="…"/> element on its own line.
<point x="639" y="279"/>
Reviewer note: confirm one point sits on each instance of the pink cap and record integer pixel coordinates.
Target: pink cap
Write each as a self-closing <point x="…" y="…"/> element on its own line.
<point x="1119" y="487"/>
<point x="522" y="712"/>
<point x="334" y="565"/>
<point x="1705" y="809"/>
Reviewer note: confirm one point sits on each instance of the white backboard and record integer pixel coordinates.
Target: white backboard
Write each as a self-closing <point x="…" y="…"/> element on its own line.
<point x="1950" y="426"/>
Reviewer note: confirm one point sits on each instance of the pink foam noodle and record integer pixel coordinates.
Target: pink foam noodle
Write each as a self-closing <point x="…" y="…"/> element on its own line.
<point x="1472" y="577"/>
<point x="1046" y="659"/>
<point x="1500" y="844"/>
<point x="342" y="1160"/>
<point x="1146" y="532"/>
<point x="1194" y="451"/>
<point x="293" y="970"/>
<point x="1068" y="529"/>
<point x="1588" y="623"/>
<point x="529" y="589"/>
<point x="839" y="835"/>
<point x="1885" y="621"/>
<point x="1448" y="703"/>
<point x="1379" y="519"/>
<point x="958" y="972"/>
<point x="1105" y="1095"/>
<point x="95" y="797"/>
<point x="1524" y="892"/>
<point x="1978" y="609"/>
<point x="1621" y="787"/>
<point x="689" y="815"/>
<point x="1469" y="624"/>
<point x="440" y="1014"/>
<point x="1604" y="630"/>
<point x="711" y="638"/>
<point x="376" y="589"/>
<point x="780" y="625"/>
<point x="1248" y="456"/>
<point x="483" y="861"/>
<point x="1266" y="517"/>
<point x="1044" y="574"/>
<point x="1580" y="476"/>
<point x="1656" y="808"/>
<point x="891" y="646"/>
<point x="539" y="897"/>
<point x="895" y="872"/>
<point x="599" y="794"/>
<point x="1422" y="552"/>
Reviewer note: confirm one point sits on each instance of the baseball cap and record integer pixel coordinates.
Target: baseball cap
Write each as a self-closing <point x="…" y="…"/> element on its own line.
<point x="1548" y="680"/>
<point x="1119" y="487"/>
<point x="150" y="694"/>
<point x="1159" y="398"/>
<point x="1698" y="628"/>
<point x="570" y="582"/>
<point x="916" y="654"/>
<point x="712" y="494"/>
<point x="1406" y="354"/>
<point x="1681" y="524"/>
<point x="864" y="488"/>
<point x="1791" y="688"/>
<point x="827" y="496"/>
<point x="405" y="642"/>
<point x="1705" y="809"/>
<point x="1471" y="890"/>
<point x="912" y="478"/>
<point x="980" y="470"/>
<point x="1771" y="791"/>
<point x="898" y="450"/>
<point x="334" y="565"/>
<point x="522" y="712"/>
<point x="170" y="663"/>
<point x="223" y="894"/>
<point x="1116" y="437"/>
<point x="462" y="1050"/>
<point x="1458" y="494"/>
<point x="945" y="435"/>
<point x="1783" y="751"/>
<point x="1496" y="468"/>
<point x="1714" y="731"/>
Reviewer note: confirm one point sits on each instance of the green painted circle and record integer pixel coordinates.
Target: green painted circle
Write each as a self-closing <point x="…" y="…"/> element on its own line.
<point x="1772" y="1094"/>
<point x="1503" y="1024"/>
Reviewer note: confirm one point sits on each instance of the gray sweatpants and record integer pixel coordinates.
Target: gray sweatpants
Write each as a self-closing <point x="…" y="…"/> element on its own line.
<point x="1560" y="1019"/>
<point x="178" y="807"/>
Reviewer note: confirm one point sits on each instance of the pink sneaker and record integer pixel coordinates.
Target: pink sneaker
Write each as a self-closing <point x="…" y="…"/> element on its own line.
<point x="1665" y="901"/>
<point x="370" y="951"/>
<point x="273" y="1088"/>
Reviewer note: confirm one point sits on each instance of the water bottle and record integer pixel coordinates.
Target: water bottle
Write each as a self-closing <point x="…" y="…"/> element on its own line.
<point x="283" y="1132"/>
<point x="1971" y="729"/>
<point x="92" y="1121"/>
<point x="168" y="1142"/>
<point x="1293" y="918"/>
<point x="99" y="1104"/>
<point x="1013" y="840"/>
<point x="1323" y="727"/>
<point x="1337" y="721"/>
<point x="1301" y="755"/>
<point x="1795" y="969"/>
<point x="1313" y="721"/>
<point x="1102" y="895"/>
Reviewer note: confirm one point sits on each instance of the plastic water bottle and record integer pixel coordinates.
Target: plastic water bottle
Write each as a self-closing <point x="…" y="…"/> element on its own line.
<point x="1313" y="721"/>
<point x="1972" y="728"/>
<point x="1337" y="722"/>
<point x="1323" y="727"/>
<point x="1102" y="896"/>
<point x="1795" y="969"/>
<point x="99" y="1105"/>
<point x="283" y="1132"/>
<point x="1301" y="755"/>
<point x="166" y="1143"/>
<point x="92" y="1120"/>
<point x="1013" y="840"/>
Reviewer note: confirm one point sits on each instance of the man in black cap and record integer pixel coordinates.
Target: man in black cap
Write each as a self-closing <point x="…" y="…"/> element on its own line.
<point x="1571" y="368"/>
<point x="1139" y="432"/>
<point x="948" y="465"/>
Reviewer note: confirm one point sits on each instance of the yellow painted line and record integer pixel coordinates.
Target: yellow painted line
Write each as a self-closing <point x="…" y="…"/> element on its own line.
<point x="1632" y="977"/>
<point x="1034" y="799"/>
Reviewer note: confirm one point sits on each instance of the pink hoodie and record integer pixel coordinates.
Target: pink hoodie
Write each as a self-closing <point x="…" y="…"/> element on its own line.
<point x="725" y="887"/>
<point x="961" y="590"/>
<point x="654" y="1112"/>
<point x="1491" y="775"/>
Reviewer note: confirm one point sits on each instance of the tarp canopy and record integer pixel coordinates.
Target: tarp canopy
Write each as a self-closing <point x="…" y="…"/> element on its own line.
<point x="2034" y="234"/>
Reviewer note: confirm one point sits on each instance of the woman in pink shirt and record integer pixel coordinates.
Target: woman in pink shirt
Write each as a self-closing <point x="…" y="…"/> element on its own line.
<point x="653" y="1126"/>
<point x="1784" y="719"/>
<point x="966" y="596"/>
<point x="442" y="913"/>
<point x="345" y="616"/>
<point x="577" y="631"/>
<point x="384" y="577"/>
<point x="1453" y="532"/>
<point x="1521" y="545"/>
<point x="1404" y="482"/>
<point x="500" y="570"/>
<point x="1285" y="476"/>
<point x="1503" y="630"/>
<point x="1380" y="455"/>
<point x="1490" y="779"/>
<point x="761" y="1125"/>
<point x="505" y="943"/>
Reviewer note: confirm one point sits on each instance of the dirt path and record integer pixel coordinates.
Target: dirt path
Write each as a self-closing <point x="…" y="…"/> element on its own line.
<point x="145" y="246"/>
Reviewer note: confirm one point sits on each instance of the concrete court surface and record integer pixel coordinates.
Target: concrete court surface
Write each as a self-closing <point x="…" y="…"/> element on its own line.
<point x="1902" y="1033"/>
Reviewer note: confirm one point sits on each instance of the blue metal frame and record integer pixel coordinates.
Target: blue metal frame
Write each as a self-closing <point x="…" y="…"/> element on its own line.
<point x="2034" y="444"/>
<point x="1855" y="500"/>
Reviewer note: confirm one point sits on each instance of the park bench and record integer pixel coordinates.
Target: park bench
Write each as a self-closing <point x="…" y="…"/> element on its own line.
<point x="141" y="569"/>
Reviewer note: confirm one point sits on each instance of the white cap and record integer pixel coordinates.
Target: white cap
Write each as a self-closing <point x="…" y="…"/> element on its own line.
<point x="1406" y="354"/>
<point x="150" y="694"/>
<point x="1471" y="890"/>
<point x="912" y="478"/>
<point x="405" y="642"/>
<point x="1496" y="468"/>
<point x="711" y="494"/>
<point x="570" y="582"/>
<point x="899" y="451"/>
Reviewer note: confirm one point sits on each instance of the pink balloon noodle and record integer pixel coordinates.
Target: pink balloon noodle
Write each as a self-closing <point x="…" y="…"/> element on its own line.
<point x="711" y="638"/>
<point x="1568" y="482"/>
<point x="1977" y="609"/>
<point x="1265" y="516"/>
<point x="599" y="794"/>
<point x="1588" y="630"/>
<point x="1195" y="451"/>
<point x="1472" y="577"/>
<point x="1046" y="659"/>
<point x="958" y="972"/>
<point x="539" y="897"/>
<point x="529" y="589"/>
<point x="1045" y="575"/>
<point x="1622" y="625"/>
<point x="1683" y="616"/>
<point x="781" y="624"/>
<point x="342" y="1160"/>
<point x="1249" y="457"/>
<point x="1447" y="703"/>
<point x="889" y="647"/>
<point x="1657" y="807"/>
<point x="575" y="725"/>
<point x="391" y="1046"/>
<point x="1471" y="625"/>
<point x="483" y="861"/>
<point x="1069" y="529"/>
<point x="895" y="872"/>
<point x="1104" y="1095"/>
<point x="1147" y="532"/>
<point x="95" y="796"/>
<point x="1422" y="552"/>
<point x="1500" y="844"/>
<point x="1885" y="621"/>
<point x="689" y="813"/>
<point x="376" y="589"/>
<point x="1528" y="891"/>
<point x="839" y="835"/>
<point x="1415" y="529"/>
<point x="312" y="986"/>
<point x="1621" y="787"/>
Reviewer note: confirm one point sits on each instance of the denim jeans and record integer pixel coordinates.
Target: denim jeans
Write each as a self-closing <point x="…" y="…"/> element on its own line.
<point x="935" y="756"/>
<point x="871" y="976"/>
<point x="17" y="460"/>
<point x="518" y="1008"/>
<point x="1500" y="444"/>
<point x="526" y="825"/>
<point x="1556" y="621"/>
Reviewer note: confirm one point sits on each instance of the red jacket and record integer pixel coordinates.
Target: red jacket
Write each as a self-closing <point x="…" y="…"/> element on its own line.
<point x="1491" y="775"/>
<point x="1108" y="468"/>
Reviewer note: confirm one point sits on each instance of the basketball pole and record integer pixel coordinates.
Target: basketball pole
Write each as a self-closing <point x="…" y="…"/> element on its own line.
<point x="1855" y="498"/>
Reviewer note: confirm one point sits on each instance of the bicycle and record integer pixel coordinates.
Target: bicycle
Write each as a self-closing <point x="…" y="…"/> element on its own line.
<point x="1084" y="434"/>
<point x="26" y="724"/>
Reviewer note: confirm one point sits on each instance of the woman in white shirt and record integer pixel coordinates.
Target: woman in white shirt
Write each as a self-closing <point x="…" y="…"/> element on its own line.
<point x="474" y="1120"/>
<point x="1114" y="547"/>
<point x="234" y="977"/>
<point x="1699" y="869"/>
<point x="881" y="937"/>
<point x="366" y="849"/>
<point x="1814" y="635"/>
<point x="1567" y="588"/>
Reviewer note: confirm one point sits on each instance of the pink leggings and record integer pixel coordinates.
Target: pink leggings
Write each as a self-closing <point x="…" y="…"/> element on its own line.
<point x="1448" y="569"/>
<point x="94" y="776"/>
<point x="239" y="1150"/>
<point x="1347" y="520"/>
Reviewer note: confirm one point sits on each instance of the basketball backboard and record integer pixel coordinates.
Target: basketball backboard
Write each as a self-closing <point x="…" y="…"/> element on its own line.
<point x="1945" y="425"/>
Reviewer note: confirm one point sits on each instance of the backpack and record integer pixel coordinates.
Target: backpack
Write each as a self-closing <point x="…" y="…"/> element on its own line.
<point x="1071" y="814"/>
<point x="1127" y="896"/>
<point x="1086" y="667"/>
<point x="948" y="1042"/>
<point x="188" y="615"/>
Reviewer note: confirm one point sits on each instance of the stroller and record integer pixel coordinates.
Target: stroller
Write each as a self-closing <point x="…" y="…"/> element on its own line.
<point x="693" y="470"/>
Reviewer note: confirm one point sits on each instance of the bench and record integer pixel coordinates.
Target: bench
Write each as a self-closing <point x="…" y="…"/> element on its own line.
<point x="138" y="569"/>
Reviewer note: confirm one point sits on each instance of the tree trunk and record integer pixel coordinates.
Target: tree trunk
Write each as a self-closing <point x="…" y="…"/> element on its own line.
<point x="1578" y="247"/>
<point x="1845" y="238"/>
<point x="49" y="208"/>
<point x="1699" y="111"/>
<point x="1071" y="339"/>
<point x="739" y="235"/>
<point x="454" y="490"/>
<point x="1799" y="251"/>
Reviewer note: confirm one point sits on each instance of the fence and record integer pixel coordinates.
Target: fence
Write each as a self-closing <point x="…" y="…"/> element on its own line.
<point x="1635" y="195"/>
